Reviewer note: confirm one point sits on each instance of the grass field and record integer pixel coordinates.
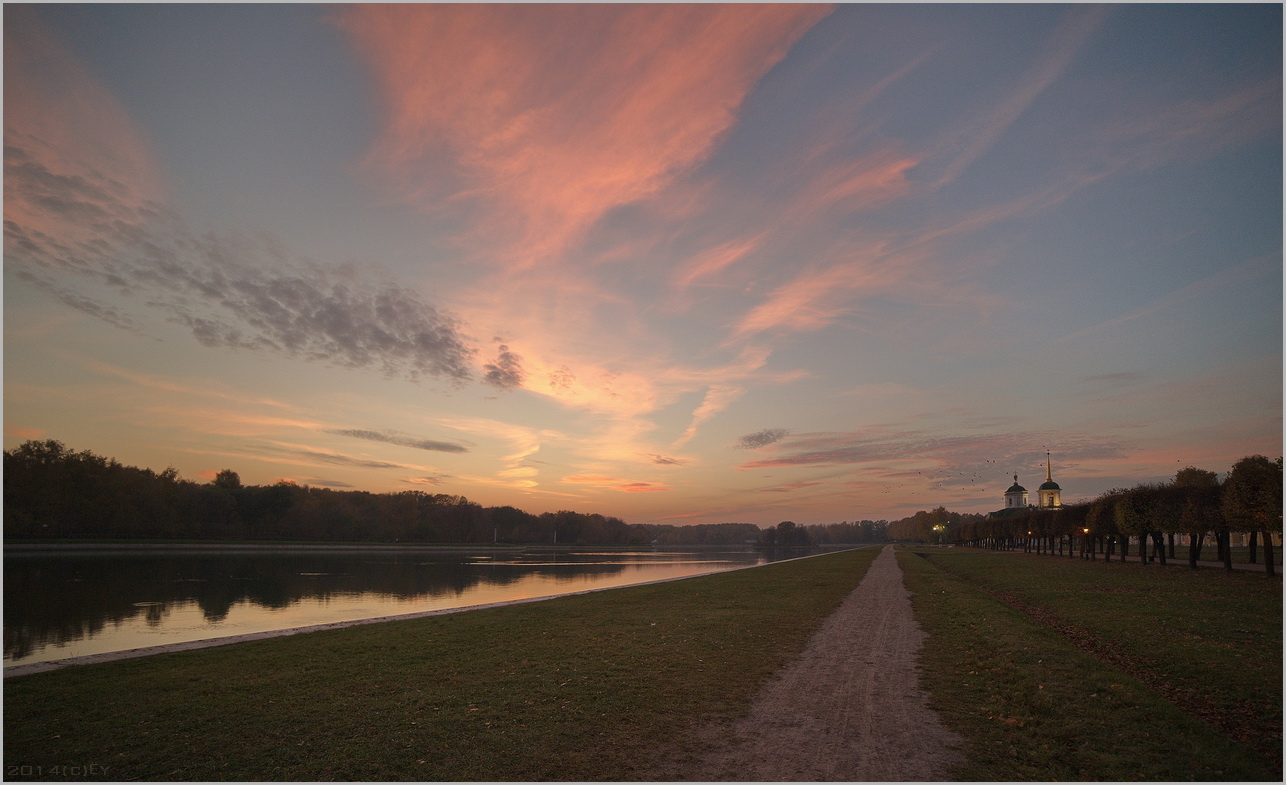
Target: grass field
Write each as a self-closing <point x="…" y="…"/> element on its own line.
<point x="577" y="688"/>
<point x="1240" y="554"/>
<point x="1049" y="668"/>
<point x="1062" y="669"/>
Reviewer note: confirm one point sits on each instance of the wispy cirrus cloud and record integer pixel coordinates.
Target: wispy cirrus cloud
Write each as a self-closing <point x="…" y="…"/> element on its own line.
<point x="791" y="487"/>
<point x="912" y="262"/>
<point x="302" y="455"/>
<point x="321" y="482"/>
<point x="426" y="480"/>
<point x="1156" y="132"/>
<point x="529" y="125"/>
<point x="190" y="388"/>
<point x="818" y="297"/>
<point x="339" y="459"/>
<point x="1248" y="270"/>
<point x="69" y="141"/>
<point x="995" y="452"/>
<point x="710" y="262"/>
<point x="717" y="398"/>
<point x="556" y="115"/>
<point x="615" y="483"/>
<point x="972" y="140"/>
<point x="399" y="439"/>
<point x="850" y="169"/>
<point x="535" y="143"/>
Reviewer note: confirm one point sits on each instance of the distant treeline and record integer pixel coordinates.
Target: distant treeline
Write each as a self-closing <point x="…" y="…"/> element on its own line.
<point x="52" y="492"/>
<point x="1196" y="503"/>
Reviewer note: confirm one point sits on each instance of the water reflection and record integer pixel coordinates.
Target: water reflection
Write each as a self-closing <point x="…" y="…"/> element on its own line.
<point x="65" y="604"/>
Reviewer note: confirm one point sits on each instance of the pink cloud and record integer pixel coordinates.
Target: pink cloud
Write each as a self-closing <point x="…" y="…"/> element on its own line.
<point x="908" y="265"/>
<point x="532" y="123"/>
<point x="713" y="260"/>
<point x="24" y="432"/>
<point x="858" y="184"/>
<point x="827" y="185"/>
<point x="76" y="167"/>
<point x="554" y="115"/>
<point x="717" y="398"/>
<point x="817" y="297"/>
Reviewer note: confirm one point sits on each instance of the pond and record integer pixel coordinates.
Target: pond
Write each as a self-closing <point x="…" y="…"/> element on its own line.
<point x="70" y="602"/>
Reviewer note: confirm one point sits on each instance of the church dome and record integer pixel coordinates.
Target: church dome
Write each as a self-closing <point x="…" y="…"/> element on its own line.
<point x="1016" y="488"/>
<point x="1049" y="485"/>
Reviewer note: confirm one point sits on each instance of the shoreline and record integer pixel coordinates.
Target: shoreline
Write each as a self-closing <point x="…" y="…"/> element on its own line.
<point x="28" y="547"/>
<point x="25" y="669"/>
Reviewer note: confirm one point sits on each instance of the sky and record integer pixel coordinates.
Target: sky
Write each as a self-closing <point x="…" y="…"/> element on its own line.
<point x="672" y="263"/>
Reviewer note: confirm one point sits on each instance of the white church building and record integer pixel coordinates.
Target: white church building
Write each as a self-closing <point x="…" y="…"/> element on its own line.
<point x="1049" y="494"/>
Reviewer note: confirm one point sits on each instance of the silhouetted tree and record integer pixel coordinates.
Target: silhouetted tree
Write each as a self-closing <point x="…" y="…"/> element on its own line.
<point x="1252" y="499"/>
<point x="1200" y="507"/>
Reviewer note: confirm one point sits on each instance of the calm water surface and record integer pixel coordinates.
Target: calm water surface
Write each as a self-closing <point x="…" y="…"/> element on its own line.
<point x="72" y="603"/>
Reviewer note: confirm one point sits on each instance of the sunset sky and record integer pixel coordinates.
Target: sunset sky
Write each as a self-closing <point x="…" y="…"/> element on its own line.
<point x="676" y="264"/>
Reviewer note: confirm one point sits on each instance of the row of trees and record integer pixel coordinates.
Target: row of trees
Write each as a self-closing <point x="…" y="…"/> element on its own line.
<point x="1195" y="503"/>
<point x="930" y="526"/>
<point x="52" y="492"/>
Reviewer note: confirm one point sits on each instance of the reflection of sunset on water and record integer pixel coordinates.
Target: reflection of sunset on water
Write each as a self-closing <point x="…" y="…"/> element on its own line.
<point x="323" y="591"/>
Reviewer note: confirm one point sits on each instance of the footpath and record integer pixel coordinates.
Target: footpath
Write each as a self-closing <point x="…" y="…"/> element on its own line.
<point x="849" y="709"/>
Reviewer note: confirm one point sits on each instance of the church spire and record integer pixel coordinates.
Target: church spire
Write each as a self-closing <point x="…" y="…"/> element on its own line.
<point x="1050" y="494"/>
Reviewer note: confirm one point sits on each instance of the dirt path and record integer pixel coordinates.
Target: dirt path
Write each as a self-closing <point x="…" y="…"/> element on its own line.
<point x="849" y="708"/>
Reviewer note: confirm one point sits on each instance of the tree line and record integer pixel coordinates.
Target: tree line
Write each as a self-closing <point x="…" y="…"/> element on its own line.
<point x="52" y="492"/>
<point x="1196" y="503"/>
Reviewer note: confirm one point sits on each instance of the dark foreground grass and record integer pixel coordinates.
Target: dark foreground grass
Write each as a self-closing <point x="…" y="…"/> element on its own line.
<point x="1240" y="554"/>
<point x="577" y="688"/>
<point x="1067" y="670"/>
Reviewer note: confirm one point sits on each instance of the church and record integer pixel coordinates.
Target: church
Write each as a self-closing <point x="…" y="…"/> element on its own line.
<point x="1049" y="494"/>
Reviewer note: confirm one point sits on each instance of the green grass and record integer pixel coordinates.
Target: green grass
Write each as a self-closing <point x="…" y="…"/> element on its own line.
<point x="1050" y="668"/>
<point x="578" y="688"/>
<point x="1062" y="669"/>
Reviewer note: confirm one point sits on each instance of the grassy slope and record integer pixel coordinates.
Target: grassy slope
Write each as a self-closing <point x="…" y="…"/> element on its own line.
<point x="580" y="687"/>
<point x="1037" y="701"/>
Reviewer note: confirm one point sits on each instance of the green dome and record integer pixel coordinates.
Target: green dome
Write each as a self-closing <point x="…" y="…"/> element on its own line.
<point x="1050" y="485"/>
<point x="1016" y="488"/>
